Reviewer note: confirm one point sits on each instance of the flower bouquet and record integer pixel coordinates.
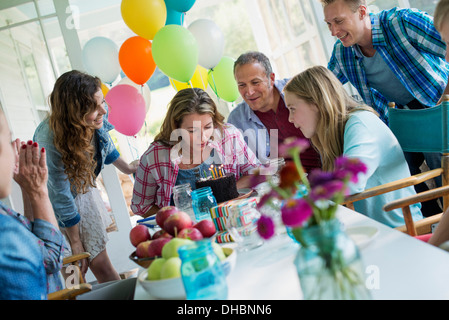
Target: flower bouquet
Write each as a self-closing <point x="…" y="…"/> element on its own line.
<point x="328" y="262"/>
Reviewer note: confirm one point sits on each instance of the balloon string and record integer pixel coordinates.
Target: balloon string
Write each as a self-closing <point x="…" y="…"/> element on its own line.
<point x="132" y="148"/>
<point x="174" y="84"/>
<point x="191" y="84"/>
<point x="202" y="81"/>
<point x="182" y="18"/>
<point x="214" y="87"/>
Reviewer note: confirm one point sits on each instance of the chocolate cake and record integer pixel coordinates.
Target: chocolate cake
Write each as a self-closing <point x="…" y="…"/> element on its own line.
<point x="224" y="188"/>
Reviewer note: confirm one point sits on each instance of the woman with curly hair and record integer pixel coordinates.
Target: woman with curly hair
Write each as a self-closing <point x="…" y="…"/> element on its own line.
<point x="78" y="145"/>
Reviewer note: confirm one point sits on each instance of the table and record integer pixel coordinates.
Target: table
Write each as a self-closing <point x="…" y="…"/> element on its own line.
<point x="400" y="267"/>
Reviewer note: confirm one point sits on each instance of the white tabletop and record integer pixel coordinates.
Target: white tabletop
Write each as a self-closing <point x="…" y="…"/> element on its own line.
<point x="397" y="267"/>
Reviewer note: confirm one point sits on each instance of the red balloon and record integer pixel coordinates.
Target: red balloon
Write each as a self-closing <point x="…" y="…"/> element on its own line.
<point x="126" y="109"/>
<point x="136" y="59"/>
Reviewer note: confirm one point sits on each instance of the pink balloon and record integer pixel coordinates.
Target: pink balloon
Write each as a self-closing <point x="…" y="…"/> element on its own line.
<point x="126" y="109"/>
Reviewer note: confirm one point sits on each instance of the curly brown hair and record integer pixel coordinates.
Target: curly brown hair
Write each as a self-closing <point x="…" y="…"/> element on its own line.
<point x="71" y="100"/>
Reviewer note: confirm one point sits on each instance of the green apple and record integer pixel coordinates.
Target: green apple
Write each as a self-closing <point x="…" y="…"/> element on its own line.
<point x="170" y="249"/>
<point x="171" y="268"/>
<point x="154" y="270"/>
<point x="218" y="251"/>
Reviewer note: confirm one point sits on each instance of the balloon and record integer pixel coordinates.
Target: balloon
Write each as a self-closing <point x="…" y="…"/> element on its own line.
<point x="104" y="89"/>
<point x="136" y="59"/>
<point x="210" y="42"/>
<point x="144" y="18"/>
<point x="175" y="52"/>
<point x="174" y="17"/>
<point x="126" y="109"/>
<point x="100" y="58"/>
<point x="221" y="80"/>
<point x="144" y="90"/>
<point x="199" y="80"/>
<point x="180" y="5"/>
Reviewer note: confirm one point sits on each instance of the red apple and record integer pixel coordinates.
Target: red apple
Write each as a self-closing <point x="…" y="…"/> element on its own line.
<point x="155" y="247"/>
<point x="206" y="227"/>
<point x="161" y="234"/>
<point x="164" y="213"/>
<point x="142" y="249"/>
<point x="176" y="222"/>
<point x="190" y="233"/>
<point x="138" y="234"/>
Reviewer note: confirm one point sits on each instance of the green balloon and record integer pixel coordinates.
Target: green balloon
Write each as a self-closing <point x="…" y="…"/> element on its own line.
<point x="175" y="52"/>
<point x="221" y="80"/>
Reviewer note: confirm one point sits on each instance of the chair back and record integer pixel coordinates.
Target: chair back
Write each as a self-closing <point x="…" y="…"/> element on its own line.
<point x="421" y="130"/>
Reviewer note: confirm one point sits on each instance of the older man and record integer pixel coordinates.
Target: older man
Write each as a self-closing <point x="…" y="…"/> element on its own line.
<point x="263" y="116"/>
<point x="394" y="56"/>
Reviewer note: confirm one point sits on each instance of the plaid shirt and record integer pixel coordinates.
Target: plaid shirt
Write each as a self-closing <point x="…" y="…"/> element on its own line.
<point x="158" y="169"/>
<point x="410" y="45"/>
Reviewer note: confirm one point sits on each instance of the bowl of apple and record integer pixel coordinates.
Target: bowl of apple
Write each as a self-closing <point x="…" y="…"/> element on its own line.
<point x="173" y="223"/>
<point x="162" y="279"/>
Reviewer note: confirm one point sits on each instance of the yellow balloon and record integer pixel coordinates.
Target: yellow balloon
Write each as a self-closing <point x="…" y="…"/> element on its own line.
<point x="199" y="80"/>
<point x="104" y="89"/>
<point x="144" y="18"/>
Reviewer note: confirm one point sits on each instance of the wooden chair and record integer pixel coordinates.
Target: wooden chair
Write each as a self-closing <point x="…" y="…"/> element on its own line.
<point x="72" y="293"/>
<point x="418" y="130"/>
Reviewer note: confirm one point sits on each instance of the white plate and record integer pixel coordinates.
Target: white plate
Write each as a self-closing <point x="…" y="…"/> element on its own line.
<point x="362" y="236"/>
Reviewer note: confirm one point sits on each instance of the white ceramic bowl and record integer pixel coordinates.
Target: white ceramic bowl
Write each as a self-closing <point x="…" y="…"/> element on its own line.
<point x="163" y="289"/>
<point x="173" y="288"/>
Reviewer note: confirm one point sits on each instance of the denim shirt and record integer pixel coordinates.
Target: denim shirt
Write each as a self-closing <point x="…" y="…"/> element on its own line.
<point x="60" y="193"/>
<point x="254" y="131"/>
<point x="51" y="243"/>
<point x="22" y="275"/>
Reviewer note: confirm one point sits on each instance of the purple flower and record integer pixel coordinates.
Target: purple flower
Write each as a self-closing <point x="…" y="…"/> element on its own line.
<point x="295" y="212"/>
<point x="327" y="190"/>
<point x="265" y="227"/>
<point x="293" y="144"/>
<point x="349" y="168"/>
<point x="317" y="177"/>
<point x="266" y="197"/>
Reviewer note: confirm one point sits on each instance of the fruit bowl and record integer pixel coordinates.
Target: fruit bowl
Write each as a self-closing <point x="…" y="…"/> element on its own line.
<point x="174" y="288"/>
<point x="143" y="262"/>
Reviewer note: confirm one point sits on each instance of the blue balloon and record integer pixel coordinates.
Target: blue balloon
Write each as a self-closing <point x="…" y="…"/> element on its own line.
<point x="174" y="17"/>
<point x="180" y="5"/>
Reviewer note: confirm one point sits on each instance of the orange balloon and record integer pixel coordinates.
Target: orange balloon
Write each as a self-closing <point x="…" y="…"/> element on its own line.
<point x="136" y="59"/>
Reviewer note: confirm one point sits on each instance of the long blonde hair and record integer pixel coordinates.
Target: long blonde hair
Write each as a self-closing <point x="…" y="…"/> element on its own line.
<point x="441" y="14"/>
<point x="71" y="100"/>
<point x="319" y="86"/>
<point x="185" y="102"/>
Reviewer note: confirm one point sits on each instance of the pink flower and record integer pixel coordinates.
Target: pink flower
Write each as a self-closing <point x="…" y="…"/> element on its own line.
<point x="327" y="190"/>
<point x="349" y="168"/>
<point x="265" y="227"/>
<point x="295" y="212"/>
<point x="293" y="144"/>
<point x="256" y="178"/>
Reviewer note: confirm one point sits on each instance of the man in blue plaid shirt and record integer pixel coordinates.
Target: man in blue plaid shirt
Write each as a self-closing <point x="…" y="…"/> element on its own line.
<point x="396" y="56"/>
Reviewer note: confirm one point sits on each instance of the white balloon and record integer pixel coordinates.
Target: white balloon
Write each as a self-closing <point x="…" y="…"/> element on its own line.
<point x="100" y="58"/>
<point x="210" y="41"/>
<point x="144" y="90"/>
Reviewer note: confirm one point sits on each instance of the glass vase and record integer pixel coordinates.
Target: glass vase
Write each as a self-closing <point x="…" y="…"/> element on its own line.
<point x="329" y="265"/>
